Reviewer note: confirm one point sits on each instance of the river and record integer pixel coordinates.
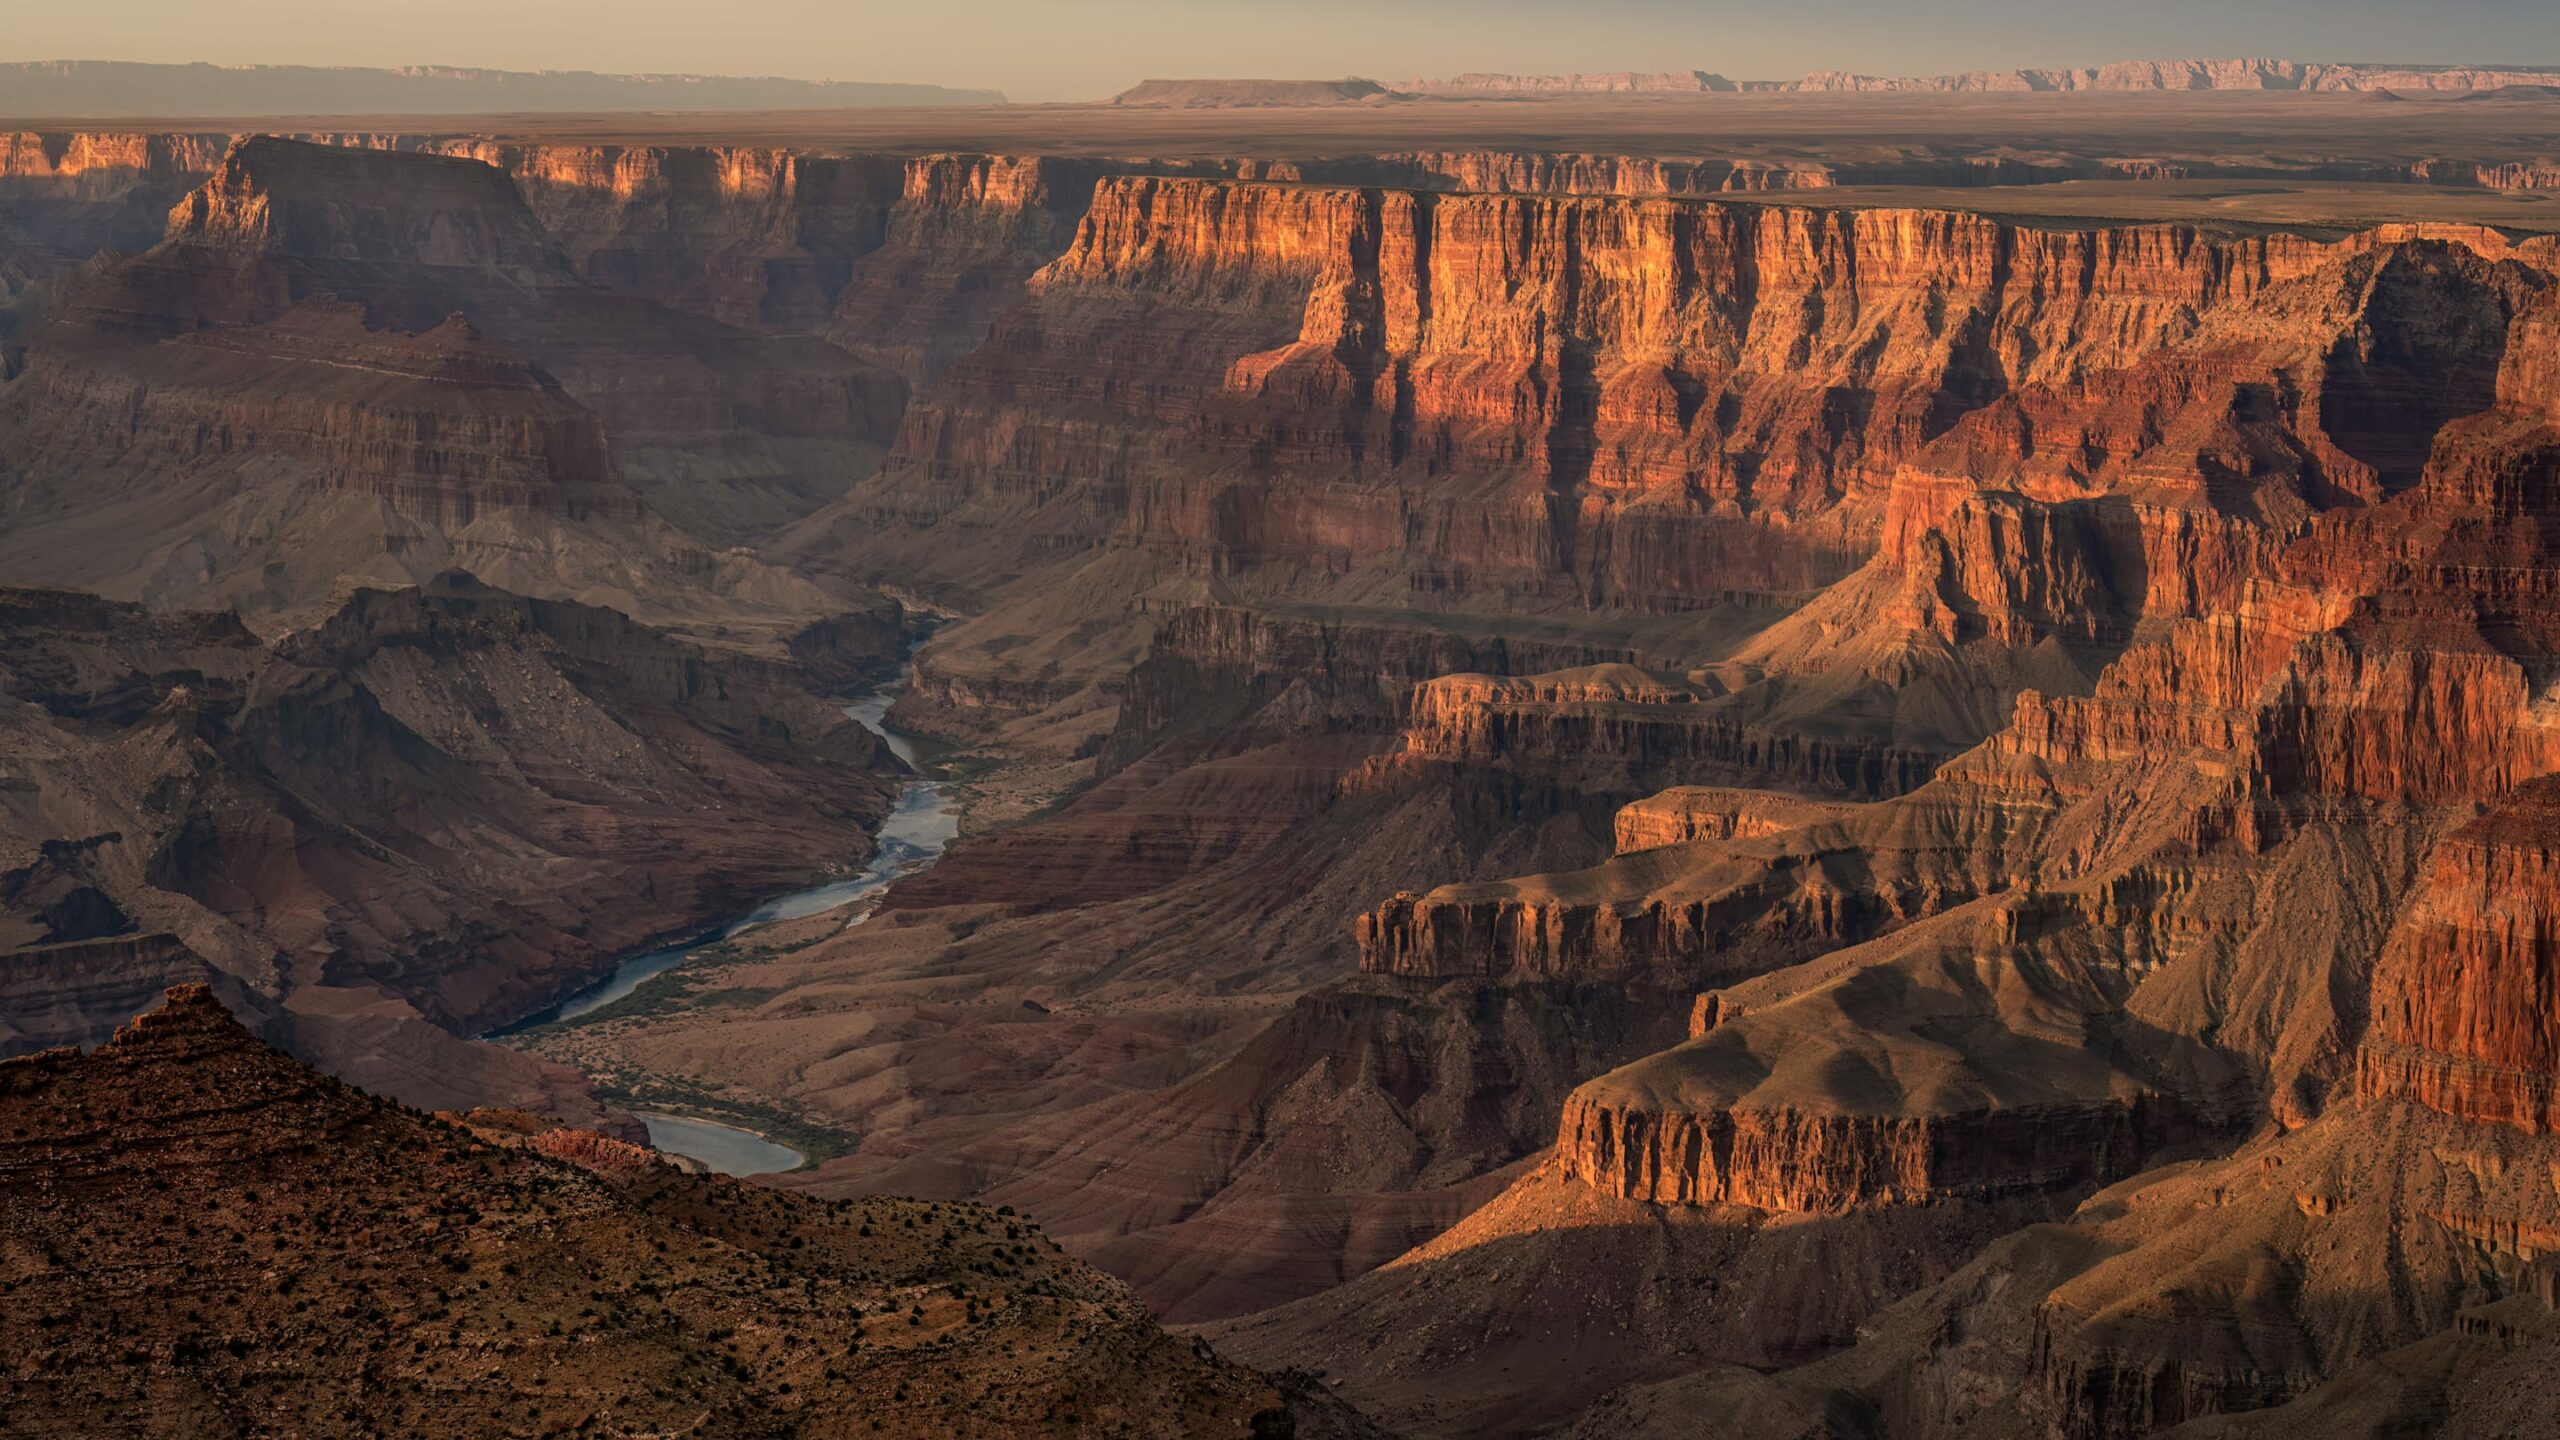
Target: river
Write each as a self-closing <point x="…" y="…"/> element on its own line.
<point x="910" y="839"/>
<point x="723" y="1148"/>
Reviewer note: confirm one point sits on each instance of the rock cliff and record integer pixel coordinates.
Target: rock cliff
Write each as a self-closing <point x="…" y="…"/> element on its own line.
<point x="384" y="359"/>
<point x="1633" y="403"/>
<point x="2260" y="859"/>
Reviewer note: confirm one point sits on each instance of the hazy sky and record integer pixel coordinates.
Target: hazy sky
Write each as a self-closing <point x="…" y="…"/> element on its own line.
<point x="1081" y="49"/>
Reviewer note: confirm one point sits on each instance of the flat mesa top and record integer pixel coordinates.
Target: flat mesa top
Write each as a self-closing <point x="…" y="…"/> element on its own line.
<point x="2270" y="158"/>
<point x="2511" y="124"/>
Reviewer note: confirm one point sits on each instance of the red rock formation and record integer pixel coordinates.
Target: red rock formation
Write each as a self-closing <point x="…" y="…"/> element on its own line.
<point x="1691" y="812"/>
<point x="616" y="1160"/>
<point x="1617" y="728"/>
<point x="1508" y="401"/>
<point x="2463" y="1008"/>
<point x="71" y="194"/>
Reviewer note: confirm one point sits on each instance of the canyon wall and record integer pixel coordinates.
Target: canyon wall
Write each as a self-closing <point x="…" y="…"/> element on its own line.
<point x="1632" y="403"/>
<point x="326" y="330"/>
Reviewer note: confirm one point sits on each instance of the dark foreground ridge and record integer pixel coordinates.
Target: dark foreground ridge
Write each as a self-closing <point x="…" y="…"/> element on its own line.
<point x="198" y="1232"/>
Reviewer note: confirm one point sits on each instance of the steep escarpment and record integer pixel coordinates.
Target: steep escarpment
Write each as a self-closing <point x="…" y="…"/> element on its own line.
<point x="760" y="238"/>
<point x="329" y="1224"/>
<point x="1641" y="403"/>
<point x="965" y="236"/>
<point x="66" y="195"/>
<point x="903" y="261"/>
<point x="2263" y="863"/>
<point x="441" y="425"/>
<point x="370" y="365"/>
<point x="313" y="821"/>
<point x="1621" y="729"/>
<point x="460" y="236"/>
<point x="2461" y="1005"/>
<point x="1389" y="399"/>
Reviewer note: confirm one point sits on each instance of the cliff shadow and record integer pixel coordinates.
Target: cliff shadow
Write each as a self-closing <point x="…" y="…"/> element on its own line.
<point x="1572" y="1295"/>
<point x="2428" y="352"/>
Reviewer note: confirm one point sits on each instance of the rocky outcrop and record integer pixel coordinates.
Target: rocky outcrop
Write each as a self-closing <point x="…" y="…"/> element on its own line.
<point x="1831" y="1162"/>
<point x="2462" y="1012"/>
<point x="72" y="992"/>
<point x="459" y="235"/>
<point x="183" y="1119"/>
<point x="1685" y="813"/>
<point x="1622" y="729"/>
<point x="1370" y="675"/>
<point x="66" y="195"/>
<point x="323" y="203"/>
<point x="760" y="238"/>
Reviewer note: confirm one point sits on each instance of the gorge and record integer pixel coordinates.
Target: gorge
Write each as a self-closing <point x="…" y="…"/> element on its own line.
<point x="1555" y="759"/>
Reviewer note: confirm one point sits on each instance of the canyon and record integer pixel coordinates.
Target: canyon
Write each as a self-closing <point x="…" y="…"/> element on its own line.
<point x="1709" y="773"/>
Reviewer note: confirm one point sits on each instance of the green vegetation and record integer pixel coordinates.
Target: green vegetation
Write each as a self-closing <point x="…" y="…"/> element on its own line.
<point x="814" y="1138"/>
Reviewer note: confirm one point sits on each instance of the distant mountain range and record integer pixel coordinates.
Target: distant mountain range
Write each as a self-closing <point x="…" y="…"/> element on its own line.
<point x="85" y="88"/>
<point x="2123" y="76"/>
